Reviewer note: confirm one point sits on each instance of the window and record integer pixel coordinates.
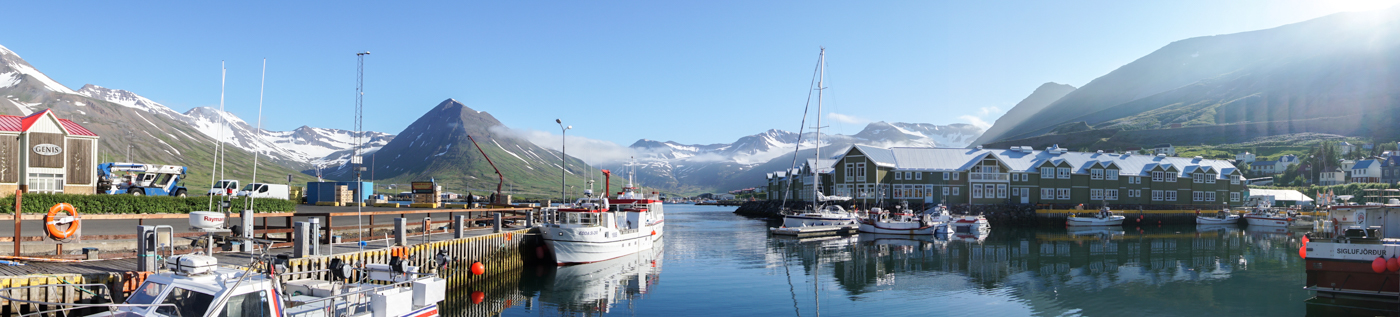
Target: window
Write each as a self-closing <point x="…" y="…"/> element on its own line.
<point x="1156" y="195"/>
<point x="250" y="305"/>
<point x="976" y="190"/>
<point x="945" y="176"/>
<point x="1198" y="178"/>
<point x="922" y="191"/>
<point x="1015" y="192"/>
<point x="1001" y="190"/>
<point x="860" y="191"/>
<point x="1047" y="193"/>
<point x="1047" y="172"/>
<point x="918" y="176"/>
<point x="955" y="190"/>
<point x="860" y="172"/>
<point x="1096" y="194"/>
<point x="945" y="189"/>
<point x="1234" y="180"/>
<point x="46" y="183"/>
<point x="1111" y="193"/>
<point x="850" y="172"/>
<point x="898" y="176"/>
<point x="1171" y="177"/>
<point x="956" y="175"/>
<point x="187" y="303"/>
<point x="1157" y="176"/>
<point x="1235" y="196"/>
<point x="1210" y="178"/>
<point x="1197" y="196"/>
<point x="1171" y="195"/>
<point x="1062" y="193"/>
<point x="1210" y="196"/>
<point x="146" y="294"/>
<point x="1137" y="180"/>
<point x="1096" y="174"/>
<point x="1111" y="175"/>
<point x="1062" y="173"/>
<point x="908" y="175"/>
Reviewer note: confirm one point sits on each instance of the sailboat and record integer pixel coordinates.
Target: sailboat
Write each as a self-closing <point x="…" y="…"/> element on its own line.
<point x="819" y="214"/>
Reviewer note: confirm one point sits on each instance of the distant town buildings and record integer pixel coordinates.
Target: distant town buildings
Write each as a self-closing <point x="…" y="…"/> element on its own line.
<point x="1020" y="175"/>
<point x="1244" y="158"/>
<point x="1164" y="148"/>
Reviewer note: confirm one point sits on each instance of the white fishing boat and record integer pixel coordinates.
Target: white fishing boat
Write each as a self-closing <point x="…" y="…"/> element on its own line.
<point x="970" y="224"/>
<point x="820" y="213"/>
<point x="596" y="228"/>
<point x="1219" y="218"/>
<point x="1104" y="217"/>
<point x="902" y="222"/>
<point x="1262" y="215"/>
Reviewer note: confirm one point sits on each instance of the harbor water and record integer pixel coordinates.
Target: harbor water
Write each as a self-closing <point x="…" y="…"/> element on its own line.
<point x="716" y="263"/>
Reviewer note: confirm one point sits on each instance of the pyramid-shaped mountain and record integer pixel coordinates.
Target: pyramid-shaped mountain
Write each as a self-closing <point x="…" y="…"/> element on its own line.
<point x="436" y="147"/>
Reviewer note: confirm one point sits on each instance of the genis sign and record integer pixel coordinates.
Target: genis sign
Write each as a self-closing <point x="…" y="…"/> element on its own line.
<point x="48" y="149"/>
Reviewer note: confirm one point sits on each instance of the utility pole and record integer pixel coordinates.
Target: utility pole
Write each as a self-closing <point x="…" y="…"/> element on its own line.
<point x="356" y="161"/>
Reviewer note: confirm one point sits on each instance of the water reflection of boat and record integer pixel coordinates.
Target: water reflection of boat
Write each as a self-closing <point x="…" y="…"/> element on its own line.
<point x="1095" y="231"/>
<point x="974" y="236"/>
<point x="596" y="286"/>
<point x="1218" y="227"/>
<point x="1266" y="230"/>
<point x="903" y="240"/>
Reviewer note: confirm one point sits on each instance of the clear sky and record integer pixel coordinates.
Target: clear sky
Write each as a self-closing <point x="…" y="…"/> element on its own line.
<point x="694" y="72"/>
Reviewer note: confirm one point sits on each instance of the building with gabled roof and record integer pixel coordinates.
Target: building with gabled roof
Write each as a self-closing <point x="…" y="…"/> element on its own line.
<point x="47" y="154"/>
<point x="1023" y="175"/>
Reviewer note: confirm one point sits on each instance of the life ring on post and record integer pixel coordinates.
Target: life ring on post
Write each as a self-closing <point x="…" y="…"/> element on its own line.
<point x="51" y="223"/>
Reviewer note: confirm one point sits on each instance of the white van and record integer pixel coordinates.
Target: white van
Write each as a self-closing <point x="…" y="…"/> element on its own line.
<point x="264" y="190"/>
<point x="222" y="187"/>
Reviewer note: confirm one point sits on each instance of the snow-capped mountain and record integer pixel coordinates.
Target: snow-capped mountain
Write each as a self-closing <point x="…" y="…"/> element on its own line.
<point x="305" y="145"/>
<point x="687" y="167"/>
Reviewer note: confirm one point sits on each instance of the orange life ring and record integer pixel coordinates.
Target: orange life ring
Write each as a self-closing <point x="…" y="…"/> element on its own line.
<point x="52" y="225"/>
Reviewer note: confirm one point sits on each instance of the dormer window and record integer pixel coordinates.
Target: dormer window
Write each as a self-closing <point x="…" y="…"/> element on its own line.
<point x="1198" y="178"/>
<point x="1096" y="174"/>
<point x="1210" y="178"/>
<point x="1063" y="173"/>
<point x="1111" y="175"/>
<point x="1171" y="177"/>
<point x="1157" y="176"/>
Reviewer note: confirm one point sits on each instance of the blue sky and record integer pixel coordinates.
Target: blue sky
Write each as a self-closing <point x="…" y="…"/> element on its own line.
<point x="694" y="72"/>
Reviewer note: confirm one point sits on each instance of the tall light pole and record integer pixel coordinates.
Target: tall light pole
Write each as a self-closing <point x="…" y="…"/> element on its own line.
<point x="355" y="160"/>
<point x="563" y="167"/>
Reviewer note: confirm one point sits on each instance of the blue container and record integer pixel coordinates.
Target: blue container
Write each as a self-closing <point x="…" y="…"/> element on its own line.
<point x="325" y="191"/>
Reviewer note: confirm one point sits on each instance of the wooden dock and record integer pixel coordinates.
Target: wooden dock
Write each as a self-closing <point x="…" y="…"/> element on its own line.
<point x="815" y="231"/>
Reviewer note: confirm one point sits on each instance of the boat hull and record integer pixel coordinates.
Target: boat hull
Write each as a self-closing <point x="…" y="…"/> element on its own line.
<point x="578" y="246"/>
<point x="810" y="221"/>
<point x="903" y="228"/>
<point x="1217" y="220"/>
<point x="1345" y="269"/>
<point x="1092" y="222"/>
<point x="1267" y="221"/>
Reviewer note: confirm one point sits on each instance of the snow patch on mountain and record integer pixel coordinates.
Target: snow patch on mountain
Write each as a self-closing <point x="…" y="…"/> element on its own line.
<point x="18" y="65"/>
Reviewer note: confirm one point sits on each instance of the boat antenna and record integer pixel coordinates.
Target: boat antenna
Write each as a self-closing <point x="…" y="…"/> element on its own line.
<point x="219" y="136"/>
<point x="262" y="89"/>
<point x="356" y="161"/>
<point x="797" y="146"/>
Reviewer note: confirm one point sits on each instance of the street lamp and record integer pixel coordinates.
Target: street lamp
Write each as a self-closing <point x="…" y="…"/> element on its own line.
<point x="563" y="164"/>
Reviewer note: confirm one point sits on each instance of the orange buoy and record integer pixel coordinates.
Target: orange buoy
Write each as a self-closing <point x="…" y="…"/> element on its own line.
<point x="509" y="235"/>
<point x="478" y="297"/>
<point x="653" y="232"/>
<point x="51" y="224"/>
<point x="478" y="268"/>
<point x="1303" y="252"/>
<point x="1392" y="264"/>
<point x="1306" y="240"/>
<point x="1378" y="265"/>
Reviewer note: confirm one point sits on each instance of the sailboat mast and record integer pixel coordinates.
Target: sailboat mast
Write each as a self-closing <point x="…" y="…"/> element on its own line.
<point x="817" y="180"/>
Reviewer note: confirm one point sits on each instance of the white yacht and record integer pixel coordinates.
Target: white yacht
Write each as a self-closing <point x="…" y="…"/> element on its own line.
<point x="820" y="214"/>
<point x="596" y="228"/>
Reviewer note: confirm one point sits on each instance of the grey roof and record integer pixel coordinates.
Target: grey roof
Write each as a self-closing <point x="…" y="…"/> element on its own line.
<point x="959" y="159"/>
<point x="881" y="157"/>
<point x="826" y="164"/>
<point x="1363" y="164"/>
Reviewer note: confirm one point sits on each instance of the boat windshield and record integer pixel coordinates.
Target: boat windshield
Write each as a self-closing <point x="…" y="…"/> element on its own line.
<point x="582" y="218"/>
<point x="187" y="302"/>
<point x="146" y="294"/>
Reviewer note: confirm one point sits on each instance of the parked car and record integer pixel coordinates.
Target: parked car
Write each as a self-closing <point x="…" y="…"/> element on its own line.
<point x="263" y="190"/>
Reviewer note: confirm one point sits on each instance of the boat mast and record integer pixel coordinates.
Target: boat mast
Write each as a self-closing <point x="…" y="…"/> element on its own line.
<point x="816" y="179"/>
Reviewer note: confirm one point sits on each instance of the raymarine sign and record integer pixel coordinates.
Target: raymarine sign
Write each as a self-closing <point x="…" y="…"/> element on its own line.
<point x="48" y="149"/>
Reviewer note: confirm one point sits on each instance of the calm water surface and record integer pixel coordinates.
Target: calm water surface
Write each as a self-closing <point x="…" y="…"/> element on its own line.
<point x="716" y="263"/>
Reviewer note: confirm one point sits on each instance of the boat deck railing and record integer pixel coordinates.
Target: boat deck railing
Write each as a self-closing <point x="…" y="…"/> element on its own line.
<point x="6" y="295"/>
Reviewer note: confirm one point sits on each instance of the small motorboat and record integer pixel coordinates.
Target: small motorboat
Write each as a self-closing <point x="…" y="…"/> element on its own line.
<point x="1265" y="216"/>
<point x="1220" y="218"/>
<point x="1104" y="217"/>
<point x="971" y="224"/>
<point x="932" y="221"/>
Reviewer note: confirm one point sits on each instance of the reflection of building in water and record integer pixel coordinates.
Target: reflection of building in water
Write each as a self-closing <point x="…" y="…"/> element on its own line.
<point x="595" y="287"/>
<point x="1040" y="262"/>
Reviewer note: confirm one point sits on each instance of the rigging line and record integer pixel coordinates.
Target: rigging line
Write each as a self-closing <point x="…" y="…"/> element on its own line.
<point x="223" y="79"/>
<point x="261" y="90"/>
<point x="791" y="290"/>
<point x="797" y="147"/>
